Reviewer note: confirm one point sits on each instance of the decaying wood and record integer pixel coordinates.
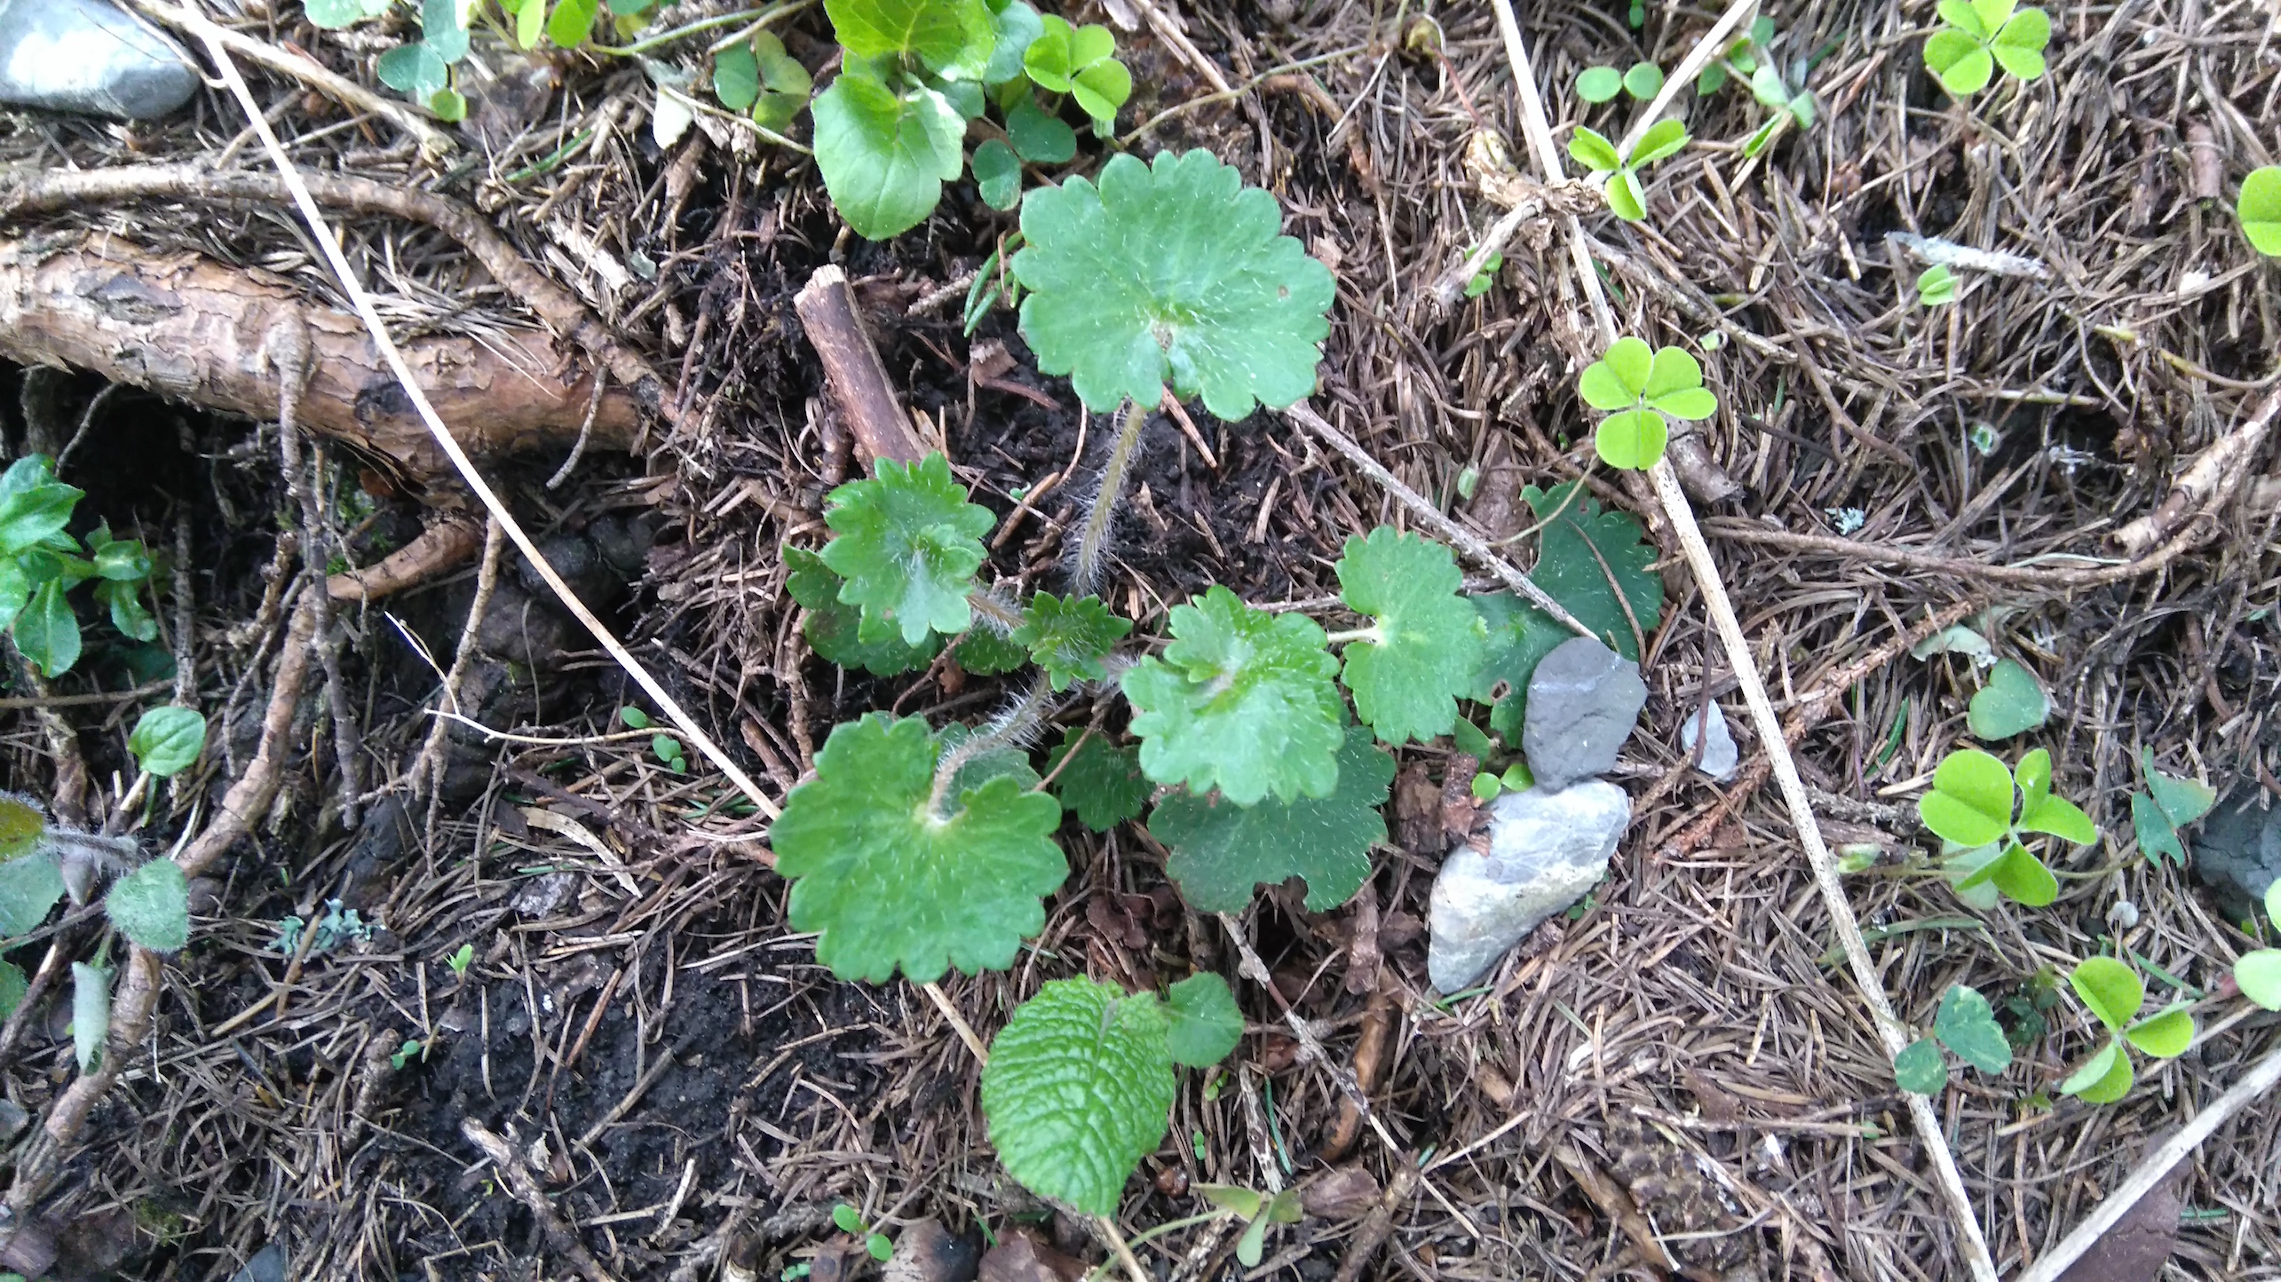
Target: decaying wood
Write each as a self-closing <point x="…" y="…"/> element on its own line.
<point x="189" y="328"/>
<point x="2212" y="477"/>
<point x="448" y="543"/>
<point x="860" y="387"/>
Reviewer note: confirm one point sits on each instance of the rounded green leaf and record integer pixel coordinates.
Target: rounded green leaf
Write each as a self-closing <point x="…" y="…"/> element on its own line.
<point x="953" y="38"/>
<point x="2023" y="62"/>
<point x="2258" y="208"/>
<point x="1046" y="60"/>
<point x="1643" y="80"/>
<point x="1961" y="63"/>
<point x="1633" y="440"/>
<point x="571" y="22"/>
<point x="1633" y="363"/>
<point x="167" y="740"/>
<point x="1936" y="285"/>
<point x="1919" y="1068"/>
<point x="1626" y="199"/>
<point x="1429" y="640"/>
<point x="1967" y="1025"/>
<point x="151" y="906"/>
<point x="838" y="631"/>
<point x="908" y="545"/>
<point x="1671" y="370"/>
<point x="1971" y="800"/>
<point x="1205" y="1024"/>
<point x="23" y="821"/>
<point x="2273" y="901"/>
<point x="890" y="884"/>
<point x="2023" y="878"/>
<point x="1593" y="151"/>
<point x="1603" y="389"/>
<point x="1017" y="25"/>
<point x="1103" y="786"/>
<point x="2103" y="1079"/>
<point x="1069" y="638"/>
<point x="13" y="987"/>
<point x="1598" y="84"/>
<point x="885" y="156"/>
<point x="1077" y="1090"/>
<point x="2062" y="819"/>
<point x="2165" y="1035"/>
<point x="2258" y="975"/>
<point x="998" y="175"/>
<point x="1961" y="15"/>
<point x="2012" y="702"/>
<point x="2029" y="30"/>
<point x="2110" y="989"/>
<point x="2033" y="775"/>
<point x="29" y="886"/>
<point x="34" y="506"/>
<point x="123" y="561"/>
<point x="1663" y="138"/>
<point x="414" y="70"/>
<point x="1102" y="88"/>
<point x="47" y="631"/>
<point x="1691" y="405"/>
<point x="1221" y="850"/>
<point x="1090" y="46"/>
<point x="2182" y="801"/>
<point x="736" y="77"/>
<point x="1172" y="271"/>
<point x="1039" y="137"/>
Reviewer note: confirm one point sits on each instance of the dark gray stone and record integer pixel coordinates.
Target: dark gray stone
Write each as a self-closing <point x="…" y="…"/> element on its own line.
<point x="1546" y="849"/>
<point x="1583" y="702"/>
<point x="2238" y="852"/>
<point x="89" y="56"/>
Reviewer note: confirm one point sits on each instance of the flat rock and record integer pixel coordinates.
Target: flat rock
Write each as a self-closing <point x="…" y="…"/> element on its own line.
<point x="1546" y="849"/>
<point x="89" y="56"/>
<point x="1583" y="701"/>
<point x="2238" y="851"/>
<point x="1720" y="756"/>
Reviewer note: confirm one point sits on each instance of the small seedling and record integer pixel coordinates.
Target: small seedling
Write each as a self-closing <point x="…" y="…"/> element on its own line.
<point x="759" y="77"/>
<point x="1971" y="808"/>
<point x="1967" y="1026"/>
<point x="1979" y="35"/>
<point x="1602" y="84"/>
<point x="633" y="718"/>
<point x="1936" y="285"/>
<point x="850" y="1221"/>
<point x="2114" y="994"/>
<point x="669" y="751"/>
<point x="1257" y="1210"/>
<point x="412" y="1048"/>
<point x="1625" y="195"/>
<point x="1479" y="285"/>
<point x="166" y="741"/>
<point x="2164" y="808"/>
<point x="2258" y="209"/>
<point x="2258" y="973"/>
<point x="1642" y="388"/>
<point x="460" y="960"/>
<point x="1738" y="59"/>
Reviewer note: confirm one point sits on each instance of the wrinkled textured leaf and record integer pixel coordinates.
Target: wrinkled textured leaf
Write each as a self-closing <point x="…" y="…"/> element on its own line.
<point x="887" y="884"/>
<point x="839" y="632"/>
<point x="1919" y="1068"/>
<point x="953" y="38"/>
<point x="1077" y="1090"/>
<point x="985" y="652"/>
<point x="908" y="545"/>
<point x="151" y="906"/>
<point x="1429" y="640"/>
<point x="1967" y="1025"/>
<point x="1241" y="700"/>
<point x="1172" y="271"/>
<point x="29" y="886"/>
<point x="1220" y="850"/>
<point x="2258" y="209"/>
<point x="2012" y="702"/>
<point x="1103" y="785"/>
<point x="2110" y="989"/>
<point x="1204" y="1022"/>
<point x="1577" y="539"/>
<point x="884" y="155"/>
<point x="167" y="740"/>
<point x="1971" y="800"/>
<point x="1069" y="638"/>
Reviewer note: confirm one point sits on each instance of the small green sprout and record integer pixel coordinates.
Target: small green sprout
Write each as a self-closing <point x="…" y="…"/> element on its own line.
<point x="1966" y="1025"/>
<point x="850" y="1221"/>
<point x="40" y="564"/>
<point x="633" y="718"/>
<point x="669" y="751"/>
<point x="1485" y="278"/>
<point x="2258" y="209"/>
<point x="1602" y="84"/>
<point x="1971" y="808"/>
<point x="1257" y="1210"/>
<point x="758" y="76"/>
<point x="1978" y="35"/>
<point x="2013" y="702"/>
<point x="1936" y="285"/>
<point x="460" y="960"/>
<point x="166" y="741"/>
<point x="412" y="1047"/>
<point x="1642" y="388"/>
<point x="1596" y="153"/>
<point x="2114" y="994"/>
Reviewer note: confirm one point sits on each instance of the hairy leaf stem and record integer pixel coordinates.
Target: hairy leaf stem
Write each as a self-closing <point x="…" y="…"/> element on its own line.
<point x="1013" y="727"/>
<point x="1093" y="540"/>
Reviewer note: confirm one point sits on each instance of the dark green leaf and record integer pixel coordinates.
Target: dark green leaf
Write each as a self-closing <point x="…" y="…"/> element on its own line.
<point x="1103" y="785"/>
<point x="1967" y="1025"/>
<point x="953" y="38"/>
<point x="34" y="506"/>
<point x="839" y="632"/>
<point x="1577" y="540"/>
<point x="1205" y="1024"/>
<point x="1919" y="1068"/>
<point x="1077" y="1090"/>
<point x="2011" y="703"/>
<point x="1220" y="850"/>
<point x="47" y="631"/>
<point x="1427" y="640"/>
<point x="1038" y="137"/>
<point x="29" y="886"/>
<point x="998" y="175"/>
<point x="1070" y="638"/>
<point x="885" y="156"/>
<point x="167" y="740"/>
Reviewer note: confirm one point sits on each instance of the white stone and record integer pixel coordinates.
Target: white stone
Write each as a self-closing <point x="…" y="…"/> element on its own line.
<point x="1546" y="849"/>
<point x="1720" y="756"/>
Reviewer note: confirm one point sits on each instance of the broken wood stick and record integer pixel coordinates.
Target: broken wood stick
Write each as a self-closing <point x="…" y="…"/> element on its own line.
<point x="194" y="330"/>
<point x="858" y="380"/>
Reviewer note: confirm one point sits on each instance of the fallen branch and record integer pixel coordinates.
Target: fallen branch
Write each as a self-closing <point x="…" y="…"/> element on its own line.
<point x="859" y="383"/>
<point x="448" y="543"/>
<point x="2205" y="484"/>
<point x="191" y="329"/>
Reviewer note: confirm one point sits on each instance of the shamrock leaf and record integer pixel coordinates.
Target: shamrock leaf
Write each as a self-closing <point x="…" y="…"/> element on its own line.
<point x="888" y="882"/>
<point x="1408" y="670"/>
<point x="998" y="175"/>
<point x="2258" y="975"/>
<point x="1078" y="1089"/>
<point x="1016" y="25"/>
<point x="1971" y="800"/>
<point x="1643" y="388"/>
<point x="1205" y="1024"/>
<point x="2013" y="702"/>
<point x="2164" y="1035"/>
<point x="1070" y="638"/>
<point x="1039" y="137"/>
<point x="1242" y="701"/>
<point x="952" y="38"/>
<point x="885" y="154"/>
<point x="2109" y="989"/>
<point x="1171" y="271"/>
<point x="1103" y="784"/>
<point x="151" y="906"/>
<point x="1220" y="850"/>
<point x="2104" y="1078"/>
<point x="1967" y="1025"/>
<point x="2168" y="804"/>
<point x="908" y="545"/>
<point x="1979" y="35"/>
<point x="2258" y="209"/>
<point x="840" y="632"/>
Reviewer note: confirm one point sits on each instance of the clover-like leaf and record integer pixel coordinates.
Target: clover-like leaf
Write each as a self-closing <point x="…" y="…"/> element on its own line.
<point x="1599" y="84"/>
<point x="1205" y="1023"/>
<point x="736" y="77"/>
<point x="151" y="906"/>
<point x="2013" y="702"/>
<point x="1633" y="439"/>
<point x="998" y="175"/>
<point x="1069" y="638"/>
<point x="29" y="886"/>
<point x="2019" y="44"/>
<point x="1172" y="271"/>
<point x="2104" y="1078"/>
<point x="1103" y="785"/>
<point x="1971" y="800"/>
<point x="1663" y="138"/>
<point x="1408" y="670"/>
<point x="1967" y="1025"/>
<point x="1961" y="63"/>
<point x="2157" y="836"/>
<point x="889" y="883"/>
<point x="2110" y="989"/>
<point x="1936" y="285"/>
<point x="2023" y="878"/>
<point x="1643" y="80"/>
<point x="2061" y="818"/>
<point x="952" y="38"/>
<point x="2258" y="210"/>
<point x="1220" y="850"/>
<point x="1078" y="1089"/>
<point x="2181" y="800"/>
<point x="2258" y="975"/>
<point x="1242" y="701"/>
<point x="908" y="545"/>
<point x="2164" y="1035"/>
<point x="1592" y="150"/>
<point x="1619" y="378"/>
<point x="1919" y="1068"/>
<point x="166" y="741"/>
<point x="885" y="155"/>
<point x="1038" y="137"/>
<point x="839" y="631"/>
